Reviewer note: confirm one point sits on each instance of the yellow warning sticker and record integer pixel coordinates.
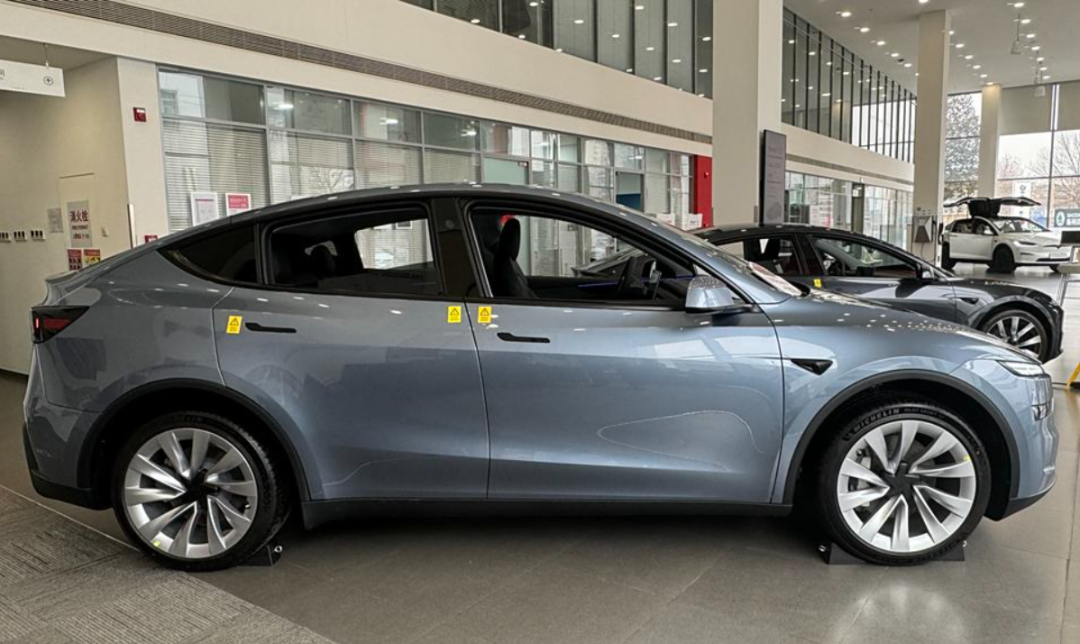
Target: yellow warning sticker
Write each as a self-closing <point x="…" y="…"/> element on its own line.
<point x="817" y="283"/>
<point x="484" y="315"/>
<point x="453" y="315"/>
<point x="234" y="324"/>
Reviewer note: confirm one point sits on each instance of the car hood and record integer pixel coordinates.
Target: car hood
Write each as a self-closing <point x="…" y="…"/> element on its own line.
<point x="1042" y="239"/>
<point x="834" y="326"/>
<point x="998" y="288"/>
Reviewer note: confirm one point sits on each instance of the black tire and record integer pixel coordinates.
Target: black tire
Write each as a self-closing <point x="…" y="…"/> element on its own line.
<point x="947" y="262"/>
<point x="274" y="497"/>
<point x="1004" y="261"/>
<point x="867" y="416"/>
<point x="987" y="326"/>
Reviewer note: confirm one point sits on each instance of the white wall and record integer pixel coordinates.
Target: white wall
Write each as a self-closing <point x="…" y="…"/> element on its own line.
<point x="41" y="140"/>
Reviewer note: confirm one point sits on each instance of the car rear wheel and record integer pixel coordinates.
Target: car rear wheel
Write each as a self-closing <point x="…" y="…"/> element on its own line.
<point x="1004" y="261"/>
<point x="904" y="483"/>
<point x="1020" y="329"/>
<point x="947" y="262"/>
<point x="197" y="491"/>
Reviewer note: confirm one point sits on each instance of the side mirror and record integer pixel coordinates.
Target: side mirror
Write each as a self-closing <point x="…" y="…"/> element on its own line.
<point x="710" y="295"/>
<point x="925" y="274"/>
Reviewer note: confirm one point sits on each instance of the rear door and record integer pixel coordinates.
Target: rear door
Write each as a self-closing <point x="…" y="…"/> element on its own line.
<point x="354" y="342"/>
<point x="874" y="271"/>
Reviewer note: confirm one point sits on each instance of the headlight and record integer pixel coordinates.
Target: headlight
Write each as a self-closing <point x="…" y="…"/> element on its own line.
<point x="1025" y="369"/>
<point x="1019" y="242"/>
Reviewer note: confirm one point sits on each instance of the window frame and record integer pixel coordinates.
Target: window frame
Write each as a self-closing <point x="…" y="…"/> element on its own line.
<point x="628" y="233"/>
<point x="172" y="253"/>
<point x="266" y="229"/>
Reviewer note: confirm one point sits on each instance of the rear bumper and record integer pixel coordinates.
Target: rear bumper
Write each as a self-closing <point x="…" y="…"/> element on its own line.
<point x="51" y="490"/>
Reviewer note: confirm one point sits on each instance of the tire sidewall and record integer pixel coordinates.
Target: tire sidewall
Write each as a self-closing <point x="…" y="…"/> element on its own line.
<point x="863" y="424"/>
<point x="1003" y="260"/>
<point x="262" y="525"/>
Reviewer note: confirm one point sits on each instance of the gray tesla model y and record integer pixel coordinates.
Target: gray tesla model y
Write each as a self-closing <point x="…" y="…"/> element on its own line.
<point x="441" y="348"/>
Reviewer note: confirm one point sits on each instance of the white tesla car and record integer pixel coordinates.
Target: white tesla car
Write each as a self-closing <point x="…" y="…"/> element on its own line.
<point x="1002" y="242"/>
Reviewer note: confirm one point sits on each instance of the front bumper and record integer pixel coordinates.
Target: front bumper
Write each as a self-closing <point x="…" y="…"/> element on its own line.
<point x="1042" y="255"/>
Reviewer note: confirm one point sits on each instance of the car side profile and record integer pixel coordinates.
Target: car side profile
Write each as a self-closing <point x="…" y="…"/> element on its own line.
<point x="855" y="264"/>
<point x="1002" y="243"/>
<point x="440" y="349"/>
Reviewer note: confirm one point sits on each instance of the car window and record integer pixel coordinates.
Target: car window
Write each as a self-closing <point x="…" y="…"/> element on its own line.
<point x="962" y="227"/>
<point x="1019" y="225"/>
<point x="847" y="258"/>
<point x="371" y="253"/>
<point x="983" y="228"/>
<point x="540" y="257"/>
<point x="774" y="253"/>
<point x="228" y="255"/>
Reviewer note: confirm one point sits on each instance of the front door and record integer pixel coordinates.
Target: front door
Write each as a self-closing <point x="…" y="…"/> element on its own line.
<point x="854" y="267"/>
<point x="355" y="341"/>
<point x="599" y="386"/>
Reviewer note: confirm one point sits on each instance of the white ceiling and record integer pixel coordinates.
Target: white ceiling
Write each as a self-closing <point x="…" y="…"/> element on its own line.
<point x="25" y="51"/>
<point x="987" y="29"/>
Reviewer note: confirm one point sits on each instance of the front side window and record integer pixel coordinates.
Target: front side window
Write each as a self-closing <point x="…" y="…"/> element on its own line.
<point x="387" y="253"/>
<point x="1020" y="225"/>
<point x="962" y="227"/>
<point x="983" y="228"/>
<point x="538" y="257"/>
<point x="847" y="258"/>
<point x="774" y="253"/>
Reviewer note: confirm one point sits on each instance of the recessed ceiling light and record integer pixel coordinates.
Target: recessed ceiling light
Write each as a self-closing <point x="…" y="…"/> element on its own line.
<point x="1036" y="48"/>
<point x="1019" y="5"/>
<point x="1025" y="21"/>
<point x="629" y="70"/>
<point x="908" y="65"/>
<point x="969" y="57"/>
<point x="673" y="24"/>
<point x="650" y="48"/>
<point x="521" y="36"/>
<point x="895" y="54"/>
<point x="1040" y="59"/>
<point x="616" y="36"/>
<point x="844" y="14"/>
<point x="559" y="50"/>
<point x="639" y="7"/>
<point x="977" y="67"/>
<point x="791" y="42"/>
<point x="1043" y="68"/>
<point x="960" y="45"/>
<point x="881" y="43"/>
<point x="984" y="75"/>
<point x="658" y="78"/>
<point x="847" y="73"/>
<point x="1046" y="76"/>
<point x="923" y="1"/>
<point x="1029" y="36"/>
<point x="475" y="21"/>
<point x="579" y="21"/>
<point x="864" y="30"/>
<point x="952" y="32"/>
<point x="703" y="70"/>
<point x="676" y="60"/>
<point x="707" y="38"/>
<point x="826" y="94"/>
<point x="813" y="53"/>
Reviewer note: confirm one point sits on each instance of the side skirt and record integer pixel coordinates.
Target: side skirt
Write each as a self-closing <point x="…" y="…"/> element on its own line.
<point x="317" y="513"/>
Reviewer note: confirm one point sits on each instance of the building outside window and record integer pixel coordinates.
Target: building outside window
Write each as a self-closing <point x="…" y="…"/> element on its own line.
<point x="876" y="211"/>
<point x="1039" y="152"/>
<point x="273" y="144"/>
<point x="962" y="143"/>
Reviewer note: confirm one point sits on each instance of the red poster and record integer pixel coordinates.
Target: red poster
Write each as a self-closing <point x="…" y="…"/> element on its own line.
<point x="74" y="259"/>
<point x="149" y="238"/>
<point x="236" y="203"/>
<point x="92" y="256"/>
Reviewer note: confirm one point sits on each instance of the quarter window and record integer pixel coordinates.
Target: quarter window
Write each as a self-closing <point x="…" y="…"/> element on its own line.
<point x="228" y="255"/>
<point x="386" y="253"/>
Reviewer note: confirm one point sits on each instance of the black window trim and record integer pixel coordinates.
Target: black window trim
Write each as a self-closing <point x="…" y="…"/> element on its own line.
<point x="564" y="213"/>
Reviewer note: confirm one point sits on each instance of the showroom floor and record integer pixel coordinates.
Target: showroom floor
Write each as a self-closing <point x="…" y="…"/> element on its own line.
<point x="566" y="580"/>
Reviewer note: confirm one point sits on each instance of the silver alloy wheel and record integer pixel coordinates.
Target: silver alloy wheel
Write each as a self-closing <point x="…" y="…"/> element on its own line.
<point x="906" y="486"/>
<point x="190" y="493"/>
<point x="1018" y="332"/>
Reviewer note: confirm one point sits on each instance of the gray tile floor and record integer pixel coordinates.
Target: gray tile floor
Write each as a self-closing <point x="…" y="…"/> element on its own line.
<point x="658" y="580"/>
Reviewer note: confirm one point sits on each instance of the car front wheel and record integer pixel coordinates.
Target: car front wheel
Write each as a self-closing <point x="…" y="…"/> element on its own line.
<point x="1004" y="261"/>
<point x="947" y="262"/>
<point x="197" y="491"/>
<point x="903" y="483"/>
<point x="1020" y="329"/>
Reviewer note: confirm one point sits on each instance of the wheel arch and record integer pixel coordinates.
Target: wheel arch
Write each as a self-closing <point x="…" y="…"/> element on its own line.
<point x="145" y="402"/>
<point x="951" y="393"/>
<point x="1004" y="304"/>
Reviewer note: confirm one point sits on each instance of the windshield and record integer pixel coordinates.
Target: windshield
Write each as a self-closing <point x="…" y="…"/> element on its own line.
<point x="1019" y="225"/>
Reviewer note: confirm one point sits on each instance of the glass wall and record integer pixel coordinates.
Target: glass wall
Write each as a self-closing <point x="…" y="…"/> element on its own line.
<point x="232" y="145"/>
<point x="962" y="143"/>
<point x="1039" y="152"/>
<point x="667" y="41"/>
<point x="884" y="213"/>
<point x="829" y="90"/>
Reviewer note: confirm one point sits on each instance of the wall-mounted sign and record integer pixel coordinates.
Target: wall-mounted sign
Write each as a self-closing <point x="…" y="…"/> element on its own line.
<point x="204" y="207"/>
<point x="149" y="238"/>
<point x="773" y="177"/>
<point x="74" y="259"/>
<point x="1067" y="218"/>
<point x="56" y="220"/>
<point x="139" y="113"/>
<point x="92" y="256"/>
<point x="80" y="231"/>
<point x="31" y="79"/>
<point x="236" y="203"/>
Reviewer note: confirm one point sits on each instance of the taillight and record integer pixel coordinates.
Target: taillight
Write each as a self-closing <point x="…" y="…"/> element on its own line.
<point x="47" y="321"/>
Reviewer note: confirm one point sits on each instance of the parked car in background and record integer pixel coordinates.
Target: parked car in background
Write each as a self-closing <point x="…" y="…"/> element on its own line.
<point x="854" y="264"/>
<point x="1003" y="243"/>
<point x="205" y="384"/>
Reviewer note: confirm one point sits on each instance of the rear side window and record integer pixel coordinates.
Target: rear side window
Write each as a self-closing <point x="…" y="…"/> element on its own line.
<point x="387" y="253"/>
<point x="774" y="253"/>
<point x="228" y="255"/>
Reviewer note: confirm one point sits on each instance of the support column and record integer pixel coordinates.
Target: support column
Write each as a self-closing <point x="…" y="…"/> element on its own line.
<point x="747" y="80"/>
<point x="988" y="140"/>
<point x="930" y="119"/>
